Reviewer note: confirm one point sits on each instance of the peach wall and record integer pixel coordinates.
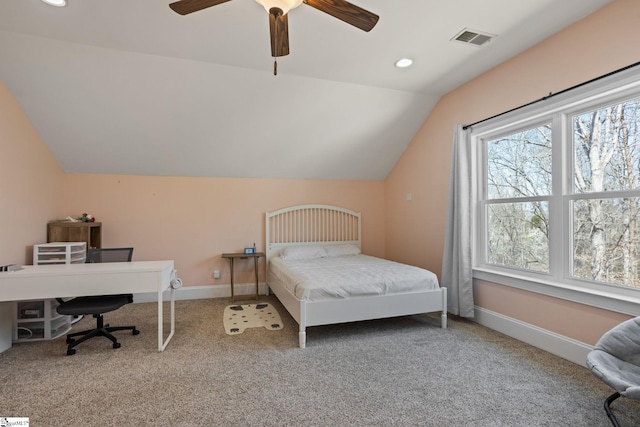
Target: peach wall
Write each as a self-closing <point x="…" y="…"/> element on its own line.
<point x="602" y="42"/>
<point x="578" y="321"/>
<point x="194" y="220"/>
<point x="31" y="184"/>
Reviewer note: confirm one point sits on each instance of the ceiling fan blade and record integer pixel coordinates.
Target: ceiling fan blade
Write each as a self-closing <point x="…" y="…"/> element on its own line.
<point x="347" y="12"/>
<point x="279" y="29"/>
<point x="184" y="7"/>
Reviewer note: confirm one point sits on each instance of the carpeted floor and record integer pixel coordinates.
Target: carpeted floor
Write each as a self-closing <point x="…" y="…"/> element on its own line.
<point x="395" y="372"/>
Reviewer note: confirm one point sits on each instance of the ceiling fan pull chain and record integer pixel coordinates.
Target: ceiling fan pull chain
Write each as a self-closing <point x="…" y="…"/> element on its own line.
<point x="275" y="58"/>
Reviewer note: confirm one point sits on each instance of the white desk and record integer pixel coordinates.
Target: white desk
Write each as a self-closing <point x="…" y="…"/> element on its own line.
<point x="72" y="280"/>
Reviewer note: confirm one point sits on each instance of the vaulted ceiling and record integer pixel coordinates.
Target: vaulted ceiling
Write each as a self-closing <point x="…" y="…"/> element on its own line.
<point x="131" y="87"/>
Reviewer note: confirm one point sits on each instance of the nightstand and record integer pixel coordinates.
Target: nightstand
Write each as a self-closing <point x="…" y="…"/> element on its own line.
<point x="232" y="256"/>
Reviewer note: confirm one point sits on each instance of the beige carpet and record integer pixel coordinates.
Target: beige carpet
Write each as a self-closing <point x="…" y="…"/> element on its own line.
<point x="402" y="372"/>
<point x="237" y="318"/>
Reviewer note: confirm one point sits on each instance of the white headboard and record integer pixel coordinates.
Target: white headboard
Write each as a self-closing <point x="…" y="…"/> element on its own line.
<point x="306" y="225"/>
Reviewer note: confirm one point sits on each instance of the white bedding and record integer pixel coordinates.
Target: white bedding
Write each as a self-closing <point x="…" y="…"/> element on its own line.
<point x="320" y="279"/>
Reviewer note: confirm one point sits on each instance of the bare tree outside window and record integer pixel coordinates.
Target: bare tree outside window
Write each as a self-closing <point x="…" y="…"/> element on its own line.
<point x="518" y="188"/>
<point x="606" y="238"/>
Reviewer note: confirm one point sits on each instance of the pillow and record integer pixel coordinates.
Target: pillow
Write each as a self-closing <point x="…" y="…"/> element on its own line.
<point x="303" y="252"/>
<point x="341" y="250"/>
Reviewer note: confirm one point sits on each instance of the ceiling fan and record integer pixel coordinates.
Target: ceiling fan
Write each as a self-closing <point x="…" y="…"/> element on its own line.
<point x="278" y="20"/>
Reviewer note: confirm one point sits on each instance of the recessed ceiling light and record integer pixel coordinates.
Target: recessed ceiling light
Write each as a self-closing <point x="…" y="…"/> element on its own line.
<point x="404" y="62"/>
<point x="58" y="3"/>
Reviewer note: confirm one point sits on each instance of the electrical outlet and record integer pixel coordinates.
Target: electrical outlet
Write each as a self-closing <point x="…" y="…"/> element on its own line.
<point x="216" y="274"/>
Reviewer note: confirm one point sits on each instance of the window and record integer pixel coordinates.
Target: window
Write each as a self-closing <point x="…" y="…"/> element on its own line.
<point x="605" y="226"/>
<point x="558" y="190"/>
<point x="518" y="178"/>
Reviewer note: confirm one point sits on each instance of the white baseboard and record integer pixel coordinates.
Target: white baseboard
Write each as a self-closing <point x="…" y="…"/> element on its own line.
<point x="203" y="292"/>
<point x="560" y="345"/>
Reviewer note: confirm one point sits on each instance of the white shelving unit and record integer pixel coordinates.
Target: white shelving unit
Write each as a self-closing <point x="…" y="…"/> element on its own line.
<point x="38" y="320"/>
<point x="59" y="253"/>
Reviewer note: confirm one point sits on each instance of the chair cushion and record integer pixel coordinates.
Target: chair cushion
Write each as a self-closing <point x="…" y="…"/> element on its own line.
<point x="93" y="304"/>
<point x="623" y="341"/>
<point x="622" y="376"/>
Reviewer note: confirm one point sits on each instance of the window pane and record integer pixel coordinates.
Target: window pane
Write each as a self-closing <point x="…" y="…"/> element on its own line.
<point x="606" y="240"/>
<point x="518" y="235"/>
<point x="606" y="148"/>
<point x="519" y="165"/>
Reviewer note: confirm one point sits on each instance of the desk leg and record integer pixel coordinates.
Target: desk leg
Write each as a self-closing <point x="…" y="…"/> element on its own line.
<point x="6" y="325"/>
<point x="255" y="268"/>
<point x="162" y="344"/>
<point x="231" y="271"/>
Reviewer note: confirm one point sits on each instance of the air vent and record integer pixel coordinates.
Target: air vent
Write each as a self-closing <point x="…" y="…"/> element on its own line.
<point x="473" y="37"/>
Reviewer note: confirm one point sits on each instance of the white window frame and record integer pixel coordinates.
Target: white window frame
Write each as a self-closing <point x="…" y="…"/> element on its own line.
<point x="557" y="110"/>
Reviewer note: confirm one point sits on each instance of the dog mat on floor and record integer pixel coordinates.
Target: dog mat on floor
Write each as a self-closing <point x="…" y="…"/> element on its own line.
<point x="237" y="318"/>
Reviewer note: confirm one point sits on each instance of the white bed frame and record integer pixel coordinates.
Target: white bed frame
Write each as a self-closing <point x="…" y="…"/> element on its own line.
<point x="325" y="225"/>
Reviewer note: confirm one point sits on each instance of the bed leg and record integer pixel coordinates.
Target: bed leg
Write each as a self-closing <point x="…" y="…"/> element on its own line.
<point x="302" y="336"/>
<point x="443" y="319"/>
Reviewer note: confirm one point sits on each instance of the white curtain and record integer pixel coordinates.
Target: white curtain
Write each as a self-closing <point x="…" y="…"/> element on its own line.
<point x="457" y="262"/>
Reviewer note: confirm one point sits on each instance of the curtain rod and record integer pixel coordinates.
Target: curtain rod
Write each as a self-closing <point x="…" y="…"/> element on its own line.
<point x="551" y="95"/>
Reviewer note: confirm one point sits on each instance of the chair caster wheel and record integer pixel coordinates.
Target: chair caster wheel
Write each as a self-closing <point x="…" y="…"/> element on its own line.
<point x="135" y="332"/>
<point x="116" y="345"/>
<point x="71" y="352"/>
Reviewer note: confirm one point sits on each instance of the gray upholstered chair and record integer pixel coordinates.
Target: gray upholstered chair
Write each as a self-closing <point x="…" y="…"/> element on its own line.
<point x="615" y="360"/>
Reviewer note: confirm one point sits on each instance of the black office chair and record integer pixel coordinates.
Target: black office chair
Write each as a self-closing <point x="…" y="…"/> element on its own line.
<point x="98" y="305"/>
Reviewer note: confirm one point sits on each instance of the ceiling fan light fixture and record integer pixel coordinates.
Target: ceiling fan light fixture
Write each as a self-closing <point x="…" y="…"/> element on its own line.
<point x="57" y="3"/>
<point x="284" y="5"/>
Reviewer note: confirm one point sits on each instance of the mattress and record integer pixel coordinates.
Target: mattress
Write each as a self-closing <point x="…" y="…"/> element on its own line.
<point x="320" y="279"/>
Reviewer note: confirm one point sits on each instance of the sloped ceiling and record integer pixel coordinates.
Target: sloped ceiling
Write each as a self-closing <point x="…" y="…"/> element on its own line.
<point x="131" y="87"/>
